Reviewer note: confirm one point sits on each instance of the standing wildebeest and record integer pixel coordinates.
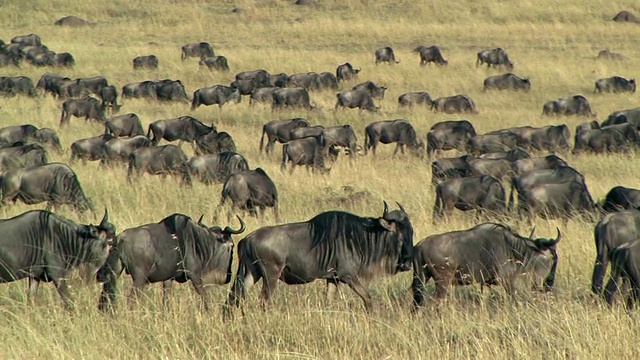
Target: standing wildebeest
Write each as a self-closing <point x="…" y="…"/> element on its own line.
<point x="307" y="151"/>
<point x="399" y="131"/>
<point x="551" y="138"/>
<point x="430" y="54"/>
<point x="327" y="81"/>
<point x="64" y="59"/>
<point x="624" y="267"/>
<point x="43" y="246"/>
<point x="91" y="149"/>
<point x="376" y="91"/>
<point x="171" y="90"/>
<point x="262" y="95"/>
<point x="626" y="16"/>
<point x="302" y="132"/>
<point x="488" y="143"/>
<point x="159" y="160"/>
<point x="31" y="39"/>
<point x="335" y="246"/>
<point x="216" y="168"/>
<point x="454" y="104"/>
<point x="183" y="128"/>
<point x="631" y="116"/>
<point x="53" y="183"/>
<point x="342" y="136"/>
<point x="573" y="105"/>
<point x="109" y="97"/>
<point x="450" y="168"/>
<point x="615" y="84"/>
<point x="140" y="90"/>
<point x="480" y="193"/>
<point x="491" y="254"/>
<point x="260" y="78"/>
<point x="145" y="62"/>
<point x="608" y="55"/>
<point x="88" y="108"/>
<point x="525" y="165"/>
<point x="346" y="72"/>
<point x="602" y="140"/>
<point x="119" y="149"/>
<point x="280" y="131"/>
<point x="449" y="135"/>
<point x="201" y="50"/>
<point x="496" y="57"/>
<point x="385" y="54"/>
<point x="291" y="97"/>
<point x="559" y="175"/>
<point x="25" y="133"/>
<point x="215" y="63"/>
<point x="560" y="200"/>
<point x="593" y="124"/>
<point x="250" y="190"/>
<point x="124" y="125"/>
<point x="174" y="249"/>
<point x="21" y="155"/>
<point x="218" y="94"/>
<point x="72" y="21"/>
<point x="415" y="98"/>
<point x="501" y="169"/>
<point x="621" y="198"/>
<point x="18" y="85"/>
<point x="629" y="132"/>
<point x="361" y="99"/>
<point x="52" y="83"/>
<point x="215" y="143"/>
<point x="308" y="80"/>
<point x="507" y="81"/>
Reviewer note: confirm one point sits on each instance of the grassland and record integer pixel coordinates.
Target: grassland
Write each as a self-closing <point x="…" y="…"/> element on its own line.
<point x="553" y="42"/>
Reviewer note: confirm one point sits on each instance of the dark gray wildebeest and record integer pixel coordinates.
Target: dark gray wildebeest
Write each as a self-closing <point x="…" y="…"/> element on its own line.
<point x="488" y="143"/>
<point x="591" y="125"/>
<point x="250" y="190"/>
<point x="21" y="155"/>
<point x="244" y="87"/>
<point x="109" y="97"/>
<point x="52" y="83"/>
<point x="507" y="81"/>
<point x="262" y="95"/>
<point x="415" y="98"/>
<point x="615" y="84"/>
<point x="302" y="132"/>
<point x="480" y="193"/>
<point x="140" y="90"/>
<point x="218" y="94"/>
<point x="259" y="77"/>
<point x="18" y="85"/>
<point x="31" y="39"/>
<point x="218" y="63"/>
<point x="215" y="143"/>
<point x="340" y="136"/>
<point x="549" y="138"/>
<point x="495" y="57"/>
<point x="310" y="81"/>
<point x="522" y="166"/>
<point x="199" y="50"/>
<point x="550" y="201"/>
<point x="608" y="55"/>
<point x="328" y="81"/>
<point x="307" y="151"/>
<point x="88" y="108"/>
<point x="119" y="149"/>
<point x="511" y="155"/>
<point x="352" y="99"/>
<point x="280" y="131"/>
<point x="450" y="168"/>
<point x="10" y="135"/>
<point x="572" y="105"/>
<point x="145" y="62"/>
<point x="489" y="254"/>
<point x="376" y="91"/>
<point x="183" y="128"/>
<point x="8" y="59"/>
<point x="41" y="59"/>
<point x="174" y="249"/>
<point x="55" y="183"/>
<point x="621" y="198"/>
<point x="159" y="160"/>
<point x="631" y="116"/>
<point x="626" y="16"/>
<point x="278" y="80"/>
<point x="346" y="72"/>
<point x="43" y="246"/>
<point x="624" y="268"/>
<point x="385" y="54"/>
<point x="454" y="104"/>
<point x="335" y="246"/>
<point x="89" y="149"/>
<point x="430" y="54"/>
<point x="612" y="231"/>
<point x="291" y="98"/>
<point x="501" y="169"/>
<point x="216" y="168"/>
<point x="64" y="59"/>
<point x="449" y="135"/>
<point x="629" y="132"/>
<point x="399" y="131"/>
<point x="171" y="90"/>
<point x="72" y="21"/>
<point x="562" y="174"/>
<point x="124" y="125"/>
<point x="600" y="141"/>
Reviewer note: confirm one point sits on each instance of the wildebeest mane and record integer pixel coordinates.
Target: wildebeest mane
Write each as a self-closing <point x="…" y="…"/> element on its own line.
<point x="194" y="242"/>
<point x="407" y="132"/>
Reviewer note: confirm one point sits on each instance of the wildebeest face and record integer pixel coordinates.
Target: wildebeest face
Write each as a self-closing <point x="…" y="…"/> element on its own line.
<point x="397" y="221"/>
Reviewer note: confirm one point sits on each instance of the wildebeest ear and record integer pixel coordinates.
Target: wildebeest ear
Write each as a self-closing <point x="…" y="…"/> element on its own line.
<point x="388" y="225"/>
<point x="532" y="232"/>
<point x="200" y="220"/>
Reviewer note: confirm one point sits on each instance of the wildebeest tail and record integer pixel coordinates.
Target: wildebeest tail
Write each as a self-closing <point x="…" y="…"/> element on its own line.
<point x="248" y="264"/>
<point x="285" y="156"/>
<point x="108" y="275"/>
<point x="437" y="206"/>
<point x="511" y="204"/>
<point x="264" y="131"/>
<point x="196" y="100"/>
<point x="421" y="275"/>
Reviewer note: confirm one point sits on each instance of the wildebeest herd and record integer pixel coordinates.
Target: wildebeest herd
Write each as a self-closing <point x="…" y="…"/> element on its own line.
<point x="336" y="246"/>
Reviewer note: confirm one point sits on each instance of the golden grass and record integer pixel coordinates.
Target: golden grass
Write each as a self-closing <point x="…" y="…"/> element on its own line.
<point x="553" y="42"/>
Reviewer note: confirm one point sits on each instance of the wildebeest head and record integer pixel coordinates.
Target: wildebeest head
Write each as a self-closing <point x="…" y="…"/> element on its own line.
<point x="223" y="237"/>
<point x="539" y="261"/>
<point x="105" y="229"/>
<point x="397" y="221"/>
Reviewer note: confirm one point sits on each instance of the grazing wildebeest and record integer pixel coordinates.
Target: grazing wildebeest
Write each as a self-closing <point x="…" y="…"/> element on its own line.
<point x="621" y="198"/>
<point x="183" y="128"/>
<point x="615" y="84"/>
<point x="573" y="105"/>
<point x="608" y="55"/>
<point x="291" y="97"/>
<point x="563" y="200"/>
<point x="551" y="138"/>
<point x="522" y="166"/>
<point x="480" y="193"/>
<point x="259" y="77"/>
<point x="449" y="135"/>
<point x="89" y="149"/>
<point x="64" y="59"/>
<point x="624" y="268"/>
<point x="308" y="80"/>
<point x="159" y="160"/>
<point x="496" y="57"/>
<point x="124" y="125"/>
<point x="559" y="175"/>
<point x="399" y="131"/>
<point x="171" y="90"/>
<point x="511" y="155"/>
<point x="31" y="39"/>
<point x="52" y="83"/>
<point x="43" y="246"/>
<point x="262" y="95"/>
<point x="201" y="50"/>
<point x="501" y="169"/>
<point x="145" y="62"/>
<point x="278" y="80"/>
<point x="454" y="104"/>
<point x="307" y="151"/>
<point x="88" y="108"/>
<point x="629" y="132"/>
<point x="385" y="54"/>
<point x="491" y="254"/>
<point x="218" y="94"/>
<point x="140" y="90"/>
<point x="174" y="249"/>
<point x="335" y="246"/>
<point x="109" y="97"/>
<point x="21" y="155"/>
<point x="631" y="116"/>
<point x="414" y="98"/>
<point x="626" y="16"/>
<point x="280" y="131"/>
<point x="250" y="190"/>
<point x="215" y="63"/>
<point x="327" y="81"/>
<point x="346" y="72"/>
<point x="450" y="168"/>
<point x="340" y="136"/>
<point x="18" y="85"/>
<point x="71" y="21"/>
<point x="54" y="183"/>
<point x="488" y="143"/>
<point x="215" y="143"/>
<point x="352" y="99"/>
<point x="216" y="168"/>
<point x="119" y="149"/>
<point x="600" y="141"/>
<point x="507" y="81"/>
<point x="430" y="54"/>
<point x="376" y="91"/>
<point x="302" y="132"/>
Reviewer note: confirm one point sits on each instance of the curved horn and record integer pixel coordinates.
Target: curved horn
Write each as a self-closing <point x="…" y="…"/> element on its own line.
<point x="200" y="220"/>
<point x="401" y="207"/>
<point x="558" y="237"/>
<point x="105" y="218"/>
<point x="532" y="232"/>
<point x="386" y="209"/>
<point x="243" y="227"/>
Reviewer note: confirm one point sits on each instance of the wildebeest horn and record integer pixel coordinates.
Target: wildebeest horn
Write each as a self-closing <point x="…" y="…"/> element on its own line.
<point x="386" y="209"/>
<point x="558" y="237"/>
<point x="532" y="232"/>
<point x="200" y="220"/>
<point x="105" y="218"/>
<point x="243" y="227"/>
<point x="401" y="207"/>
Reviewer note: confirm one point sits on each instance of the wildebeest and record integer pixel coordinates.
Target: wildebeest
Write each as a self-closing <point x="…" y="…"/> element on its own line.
<point x="52" y="83"/>
<point x="489" y="253"/>
<point x="21" y="155"/>
<point x="91" y="149"/>
<point x="449" y="135"/>
<point x="64" y="59"/>
<point x="291" y="97"/>
<point x="88" y="108"/>
<point x="600" y="140"/>
<point x="415" y="98"/>
<point x="608" y="55"/>
<point x="308" y="80"/>
<point x="430" y="54"/>
<point x="54" y="183"/>
<point x="551" y="138"/>
<point x="262" y="95"/>
<point x="454" y="104"/>
<point x="250" y="190"/>
<point x="93" y="84"/>
<point x="361" y="99"/>
<point x="346" y="72"/>
<point x="624" y="268"/>
<point x="71" y="21"/>
<point x="119" y="149"/>
<point x="244" y="87"/>
<point x="278" y="80"/>
<point x="501" y="169"/>
<point x="615" y="84"/>
<point x="307" y="151"/>
<point x="559" y="175"/>
<point x="385" y="54"/>
<point x="399" y="131"/>
<point x="449" y="168"/>
<point x="522" y="166"/>
<point x="507" y="81"/>
<point x="327" y="80"/>
<point x="621" y="198"/>
<point x="280" y="130"/>
<point x="335" y="246"/>
<point x="488" y="143"/>
<point x="183" y="128"/>
<point x="201" y="50"/>
<point x="480" y="193"/>
<point x="511" y="155"/>
<point x="7" y="59"/>
<point x="18" y="85"/>
<point x="159" y="160"/>
<point x="171" y="90"/>
<point x="629" y="132"/>
<point x="140" y="90"/>
<point x="109" y="97"/>
<point x="590" y="125"/>
<point x="340" y="136"/>
<point x="496" y="57"/>
<point x="174" y="249"/>
<point x="218" y="94"/>
<point x="145" y="62"/>
<point x="376" y="91"/>
<point x="260" y="77"/>
<point x="302" y="132"/>
<point x="43" y="246"/>
<point x="560" y="200"/>
<point x="31" y="39"/>
<point x="626" y="16"/>
<point x="215" y="143"/>
<point x="631" y="116"/>
<point x="124" y="125"/>
<point x="215" y="63"/>
<point x="216" y="168"/>
<point x="572" y="105"/>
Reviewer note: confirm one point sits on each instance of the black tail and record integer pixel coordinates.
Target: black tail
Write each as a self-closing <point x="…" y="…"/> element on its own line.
<point x="264" y="131"/>
<point x="285" y="157"/>
<point x="437" y="207"/>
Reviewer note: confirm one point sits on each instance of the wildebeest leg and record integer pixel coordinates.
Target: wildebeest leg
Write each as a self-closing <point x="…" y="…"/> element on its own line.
<point x="634" y="296"/>
<point x="398" y="147"/>
<point x="356" y="286"/>
<point x="139" y="282"/>
<point x="198" y="285"/>
<point x="166" y="291"/>
<point x="271" y="274"/>
<point x="33" y="290"/>
<point x="63" y="290"/>
<point x="612" y="287"/>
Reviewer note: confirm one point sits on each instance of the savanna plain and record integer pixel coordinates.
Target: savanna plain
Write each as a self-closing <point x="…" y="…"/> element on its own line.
<point x="552" y="42"/>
